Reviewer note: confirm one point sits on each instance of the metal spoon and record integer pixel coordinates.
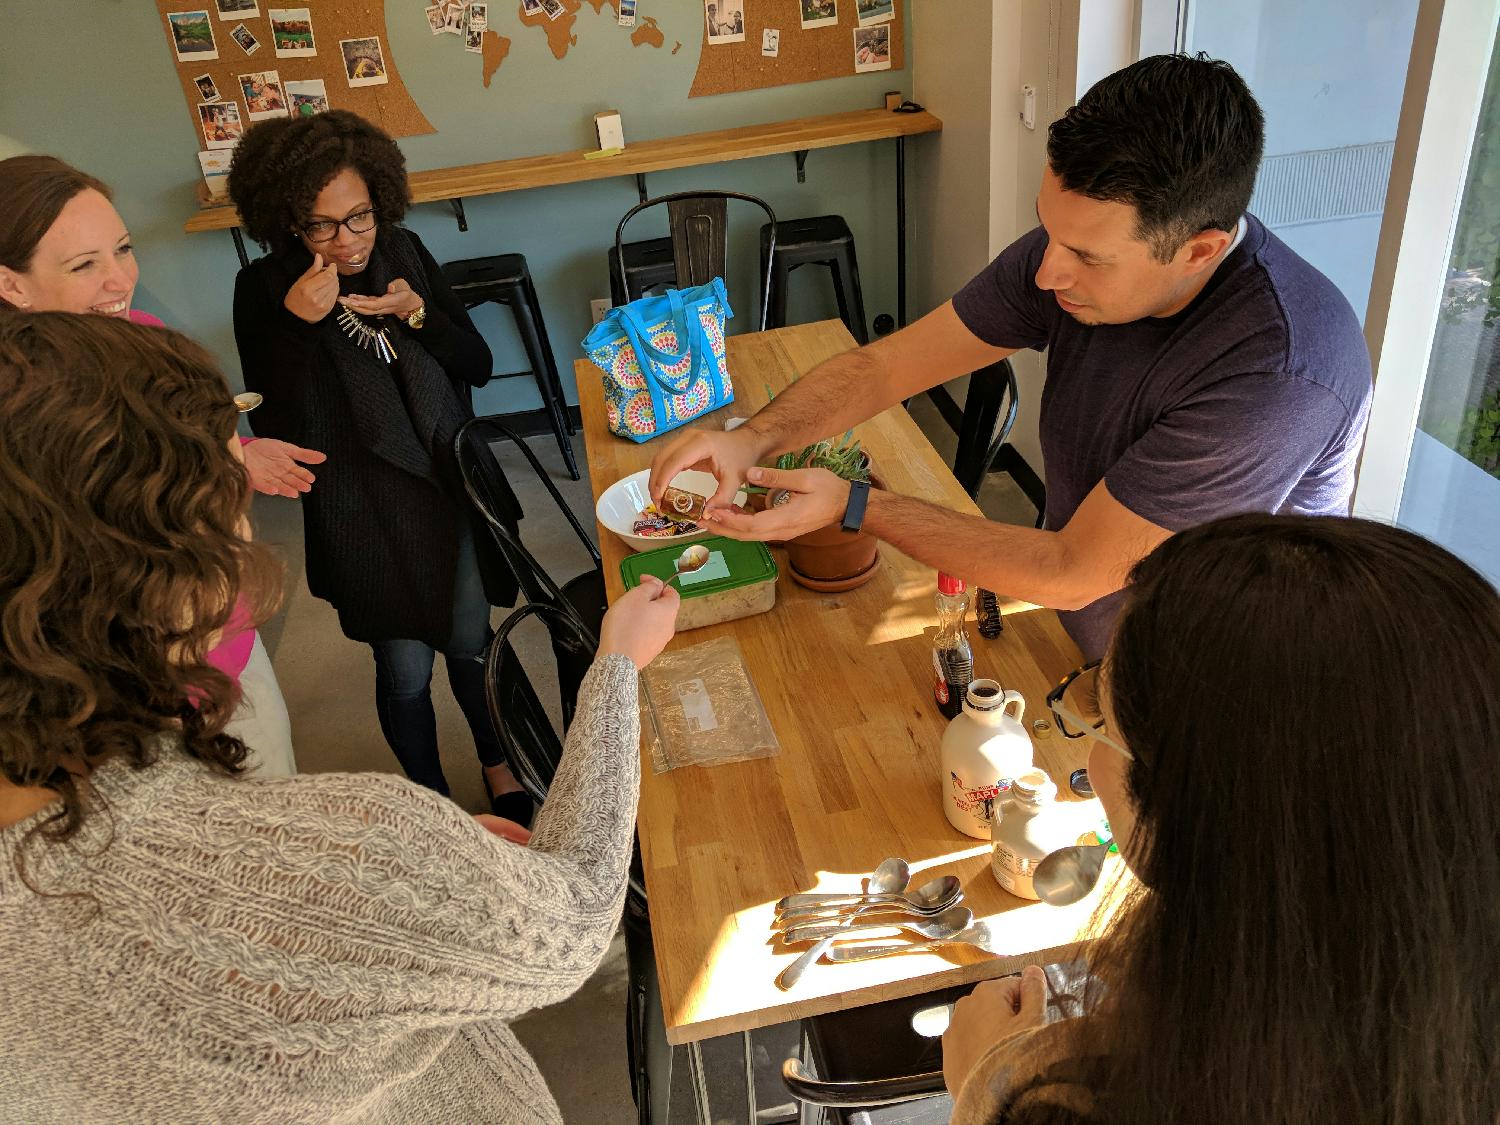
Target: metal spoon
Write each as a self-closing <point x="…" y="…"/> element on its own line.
<point x="694" y="558"/>
<point x="930" y="898"/>
<point x="1068" y="874"/>
<point x="952" y="921"/>
<point x="891" y="876"/>
<point x="977" y="935"/>
<point x="247" y="400"/>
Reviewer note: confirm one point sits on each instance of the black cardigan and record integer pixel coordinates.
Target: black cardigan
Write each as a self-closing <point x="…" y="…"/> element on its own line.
<point x="381" y="543"/>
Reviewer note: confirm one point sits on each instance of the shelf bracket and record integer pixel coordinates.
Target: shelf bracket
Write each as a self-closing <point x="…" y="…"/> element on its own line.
<point x="458" y="213"/>
<point x="801" y="155"/>
<point x="640" y="186"/>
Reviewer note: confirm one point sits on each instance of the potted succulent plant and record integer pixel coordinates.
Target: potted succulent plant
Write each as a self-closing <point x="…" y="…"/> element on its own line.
<point x="830" y="558"/>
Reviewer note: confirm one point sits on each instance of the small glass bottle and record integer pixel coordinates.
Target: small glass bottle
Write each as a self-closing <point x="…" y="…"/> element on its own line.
<point x="1031" y="826"/>
<point x="952" y="658"/>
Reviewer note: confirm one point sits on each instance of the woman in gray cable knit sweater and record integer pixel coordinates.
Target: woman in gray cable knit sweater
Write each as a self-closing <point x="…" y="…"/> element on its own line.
<point x="186" y="944"/>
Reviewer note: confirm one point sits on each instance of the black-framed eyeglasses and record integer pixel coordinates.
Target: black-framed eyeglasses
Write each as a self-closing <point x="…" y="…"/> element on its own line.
<point x="1076" y="696"/>
<point x="326" y="230"/>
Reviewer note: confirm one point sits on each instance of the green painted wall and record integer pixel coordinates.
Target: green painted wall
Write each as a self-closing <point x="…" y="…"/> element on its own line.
<point x="105" y="97"/>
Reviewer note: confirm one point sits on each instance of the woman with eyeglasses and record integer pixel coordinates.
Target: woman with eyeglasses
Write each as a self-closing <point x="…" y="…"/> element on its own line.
<point x="1301" y="724"/>
<point x="362" y="350"/>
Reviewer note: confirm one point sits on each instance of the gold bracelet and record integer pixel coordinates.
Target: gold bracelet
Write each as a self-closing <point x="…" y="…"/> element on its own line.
<point x="418" y="317"/>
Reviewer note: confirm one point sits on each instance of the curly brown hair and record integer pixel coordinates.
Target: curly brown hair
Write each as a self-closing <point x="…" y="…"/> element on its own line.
<point x="281" y="165"/>
<point x="120" y="553"/>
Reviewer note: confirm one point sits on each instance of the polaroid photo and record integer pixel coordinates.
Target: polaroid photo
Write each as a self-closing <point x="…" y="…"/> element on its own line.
<point x="364" y="65"/>
<point x="479" y="17"/>
<point x="553" y="8"/>
<point x="819" y="13"/>
<point x="474" y="40"/>
<point x="627" y="13"/>
<point x="531" y="7"/>
<point x="435" y="18"/>
<point x="215" y="167"/>
<point x="872" y="48"/>
<point x="238" y="9"/>
<point x="192" y="36"/>
<point x="770" y="42"/>
<point x="222" y="127"/>
<point x="453" y="17"/>
<point x="307" y="97"/>
<point x="726" y="21"/>
<point x="206" y="88"/>
<point x="874" y="11"/>
<point x="248" y="43"/>
<point x="264" y="96"/>
<point x="292" y="33"/>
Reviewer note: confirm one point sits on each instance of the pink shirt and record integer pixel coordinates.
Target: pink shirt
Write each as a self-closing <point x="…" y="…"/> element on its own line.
<point x="233" y="650"/>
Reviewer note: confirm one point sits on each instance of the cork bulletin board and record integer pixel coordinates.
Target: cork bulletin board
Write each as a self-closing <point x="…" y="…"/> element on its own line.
<point x="814" y="39"/>
<point x="338" y="43"/>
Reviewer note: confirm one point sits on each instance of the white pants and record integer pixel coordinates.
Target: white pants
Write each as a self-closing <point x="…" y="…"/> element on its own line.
<point x="261" y="721"/>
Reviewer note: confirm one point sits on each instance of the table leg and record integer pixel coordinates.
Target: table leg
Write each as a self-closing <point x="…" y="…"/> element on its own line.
<point x="900" y="232"/>
<point x="239" y="247"/>
<point x="700" y="1083"/>
<point x="750" y="1079"/>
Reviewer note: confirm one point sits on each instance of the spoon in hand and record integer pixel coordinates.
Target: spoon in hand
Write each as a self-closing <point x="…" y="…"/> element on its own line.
<point x="890" y="877"/>
<point x="694" y="558"/>
<point x="247" y="400"/>
<point x="1066" y="875"/>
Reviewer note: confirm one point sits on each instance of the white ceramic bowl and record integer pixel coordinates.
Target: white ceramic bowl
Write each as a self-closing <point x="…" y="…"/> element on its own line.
<point x="620" y="505"/>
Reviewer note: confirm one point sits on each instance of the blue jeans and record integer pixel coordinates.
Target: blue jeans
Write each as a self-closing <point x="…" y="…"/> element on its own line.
<point x="403" y="681"/>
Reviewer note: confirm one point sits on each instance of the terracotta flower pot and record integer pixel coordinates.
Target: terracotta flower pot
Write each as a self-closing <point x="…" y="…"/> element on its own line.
<point x="830" y="559"/>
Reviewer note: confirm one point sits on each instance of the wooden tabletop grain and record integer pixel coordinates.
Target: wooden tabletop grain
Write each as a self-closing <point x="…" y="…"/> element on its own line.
<point x="684" y="151"/>
<point x="846" y="680"/>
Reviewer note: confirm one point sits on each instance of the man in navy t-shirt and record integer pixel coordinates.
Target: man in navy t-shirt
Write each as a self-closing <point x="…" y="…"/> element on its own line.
<point x="1196" y="366"/>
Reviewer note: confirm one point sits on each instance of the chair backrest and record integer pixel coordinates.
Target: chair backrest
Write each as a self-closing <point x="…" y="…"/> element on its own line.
<point x="983" y="430"/>
<point x="699" y="225"/>
<point x="490" y="493"/>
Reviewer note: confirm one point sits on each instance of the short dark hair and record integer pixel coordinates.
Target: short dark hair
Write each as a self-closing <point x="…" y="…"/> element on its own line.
<point x="1177" y="137"/>
<point x="33" y="191"/>
<point x="281" y="165"/>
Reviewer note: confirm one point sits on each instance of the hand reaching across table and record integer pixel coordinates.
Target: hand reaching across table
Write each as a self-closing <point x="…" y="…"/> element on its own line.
<point x="816" y="498"/>
<point x="274" y="469"/>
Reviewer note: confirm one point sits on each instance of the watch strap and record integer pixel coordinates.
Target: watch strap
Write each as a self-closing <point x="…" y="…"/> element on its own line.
<point x="854" y="514"/>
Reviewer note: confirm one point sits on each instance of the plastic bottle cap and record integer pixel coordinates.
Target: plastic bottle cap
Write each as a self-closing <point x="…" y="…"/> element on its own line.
<point x="1034" y="785"/>
<point x="947" y="584"/>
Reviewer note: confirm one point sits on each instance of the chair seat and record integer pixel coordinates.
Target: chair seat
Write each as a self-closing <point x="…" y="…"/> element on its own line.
<point x="498" y="270"/>
<point x="810" y="240"/>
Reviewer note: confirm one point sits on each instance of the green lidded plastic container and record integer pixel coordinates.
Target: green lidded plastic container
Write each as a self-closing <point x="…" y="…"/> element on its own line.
<point x="739" y="580"/>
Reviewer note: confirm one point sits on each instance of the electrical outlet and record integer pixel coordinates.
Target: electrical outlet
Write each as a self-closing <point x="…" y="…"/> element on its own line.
<point x="599" y="308"/>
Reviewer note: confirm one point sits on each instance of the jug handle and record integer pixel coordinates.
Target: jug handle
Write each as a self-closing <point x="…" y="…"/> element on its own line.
<point x="1013" y="696"/>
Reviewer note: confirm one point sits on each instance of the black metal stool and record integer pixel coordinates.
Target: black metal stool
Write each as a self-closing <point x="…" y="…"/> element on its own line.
<point x="825" y="241"/>
<point x="648" y="265"/>
<point x="504" y="279"/>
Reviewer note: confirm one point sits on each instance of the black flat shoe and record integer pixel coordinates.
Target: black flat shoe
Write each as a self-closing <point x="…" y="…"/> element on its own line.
<point x="516" y="806"/>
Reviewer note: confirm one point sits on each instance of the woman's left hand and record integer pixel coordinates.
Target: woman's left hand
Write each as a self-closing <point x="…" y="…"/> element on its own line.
<point x="400" y="300"/>
<point x="505" y="829"/>
<point x="272" y="465"/>
<point x="995" y="1010"/>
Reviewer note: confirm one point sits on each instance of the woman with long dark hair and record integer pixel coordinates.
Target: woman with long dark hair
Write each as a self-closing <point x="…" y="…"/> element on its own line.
<point x="361" y="349"/>
<point x="183" y="943"/>
<point x="1303" y="720"/>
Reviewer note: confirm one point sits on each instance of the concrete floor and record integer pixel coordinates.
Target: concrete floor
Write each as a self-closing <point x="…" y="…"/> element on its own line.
<point x="328" y="682"/>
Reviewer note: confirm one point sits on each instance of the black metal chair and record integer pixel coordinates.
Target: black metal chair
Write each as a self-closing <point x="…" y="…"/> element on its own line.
<point x="823" y="240"/>
<point x="506" y="280"/>
<point x="699" y="226"/>
<point x="984" y="436"/>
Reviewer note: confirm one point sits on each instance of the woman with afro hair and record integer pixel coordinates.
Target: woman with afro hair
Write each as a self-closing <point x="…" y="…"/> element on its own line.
<point x="361" y="350"/>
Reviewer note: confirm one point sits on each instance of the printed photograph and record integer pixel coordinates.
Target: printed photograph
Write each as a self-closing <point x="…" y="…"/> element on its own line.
<point x="222" y="127"/>
<point x="238" y="9"/>
<point x="307" y="97"/>
<point x="726" y="21"/>
<point x="292" y="33"/>
<point x="435" y="18"/>
<point x="363" y="63"/>
<point x="248" y="43"/>
<point x="206" y="88"/>
<point x="479" y="17"/>
<point x="474" y="40"/>
<point x="553" y="8"/>
<point x="192" y="36"/>
<point x="264" y="96"/>
<point x="531" y="7"/>
<point x="874" y="11"/>
<point x="453" y="18"/>
<point x="626" y="17"/>
<point x="819" y="13"/>
<point x="770" y="42"/>
<point x="872" y="48"/>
